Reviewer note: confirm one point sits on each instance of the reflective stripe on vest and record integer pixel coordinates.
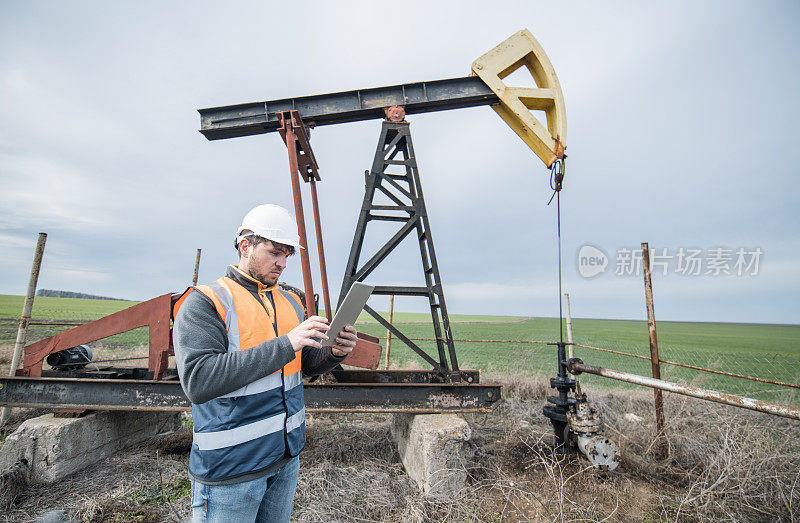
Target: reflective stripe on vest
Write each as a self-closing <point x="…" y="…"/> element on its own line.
<point x="255" y="425"/>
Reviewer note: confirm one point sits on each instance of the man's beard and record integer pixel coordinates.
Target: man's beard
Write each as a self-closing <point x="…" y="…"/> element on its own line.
<point x="263" y="279"/>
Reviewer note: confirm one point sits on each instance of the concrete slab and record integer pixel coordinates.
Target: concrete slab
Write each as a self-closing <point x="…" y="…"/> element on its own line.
<point x="49" y="448"/>
<point x="434" y="450"/>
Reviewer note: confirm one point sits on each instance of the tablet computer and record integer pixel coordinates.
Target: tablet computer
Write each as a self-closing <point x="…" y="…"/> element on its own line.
<point x="348" y="313"/>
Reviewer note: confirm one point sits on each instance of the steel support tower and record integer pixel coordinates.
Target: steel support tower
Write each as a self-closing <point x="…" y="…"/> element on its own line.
<point x="395" y="151"/>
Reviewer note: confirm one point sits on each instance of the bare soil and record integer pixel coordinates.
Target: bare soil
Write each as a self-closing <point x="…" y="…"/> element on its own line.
<point x="723" y="463"/>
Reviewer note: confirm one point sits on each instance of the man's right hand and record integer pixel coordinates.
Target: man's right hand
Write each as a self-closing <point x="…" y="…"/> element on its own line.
<point x="303" y="335"/>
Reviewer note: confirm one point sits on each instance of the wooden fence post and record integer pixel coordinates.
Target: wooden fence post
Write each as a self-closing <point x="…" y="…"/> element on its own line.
<point x="196" y="268"/>
<point x="655" y="361"/>
<point x="24" y="320"/>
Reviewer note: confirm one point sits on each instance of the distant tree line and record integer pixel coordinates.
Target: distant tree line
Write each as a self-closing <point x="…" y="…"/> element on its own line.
<point x="50" y="293"/>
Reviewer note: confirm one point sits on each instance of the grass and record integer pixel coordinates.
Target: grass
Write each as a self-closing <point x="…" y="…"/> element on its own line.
<point x="61" y="309"/>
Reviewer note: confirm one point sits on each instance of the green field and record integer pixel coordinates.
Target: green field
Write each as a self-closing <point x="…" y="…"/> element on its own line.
<point x="60" y="308"/>
<point x="56" y="309"/>
<point x="765" y="351"/>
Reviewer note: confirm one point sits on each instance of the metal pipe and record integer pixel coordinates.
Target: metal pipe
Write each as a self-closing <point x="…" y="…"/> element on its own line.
<point x="294" y="174"/>
<point x="655" y="361"/>
<point x="569" y="325"/>
<point x="601" y="451"/>
<point x="576" y="366"/>
<point x="24" y="320"/>
<point x="196" y="268"/>
<point x="668" y="362"/>
<point x="323" y="272"/>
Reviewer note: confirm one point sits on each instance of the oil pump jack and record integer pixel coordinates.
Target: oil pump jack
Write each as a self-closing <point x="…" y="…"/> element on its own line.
<point x="394" y="173"/>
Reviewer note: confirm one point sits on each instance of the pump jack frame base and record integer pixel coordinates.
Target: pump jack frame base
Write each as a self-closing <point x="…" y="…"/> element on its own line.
<point x="156" y="387"/>
<point x="355" y="391"/>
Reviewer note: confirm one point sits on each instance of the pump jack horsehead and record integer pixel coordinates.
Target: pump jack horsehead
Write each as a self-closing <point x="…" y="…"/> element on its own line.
<point x="444" y="388"/>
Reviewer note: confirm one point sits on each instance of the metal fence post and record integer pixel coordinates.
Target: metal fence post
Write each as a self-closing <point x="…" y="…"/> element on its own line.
<point x="655" y="361"/>
<point x="24" y="320"/>
<point x="196" y="268"/>
<point x="388" y="332"/>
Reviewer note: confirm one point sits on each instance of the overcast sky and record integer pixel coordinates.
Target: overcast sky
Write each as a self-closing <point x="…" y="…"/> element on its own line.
<point x="682" y="132"/>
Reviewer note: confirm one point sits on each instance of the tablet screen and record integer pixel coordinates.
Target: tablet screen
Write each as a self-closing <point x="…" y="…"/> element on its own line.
<point x="348" y="313"/>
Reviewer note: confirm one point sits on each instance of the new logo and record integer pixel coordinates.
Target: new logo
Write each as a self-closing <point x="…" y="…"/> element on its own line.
<point x="591" y="261"/>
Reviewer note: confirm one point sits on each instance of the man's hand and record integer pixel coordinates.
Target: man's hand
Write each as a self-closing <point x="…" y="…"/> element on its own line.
<point x="303" y="335"/>
<point x="345" y="341"/>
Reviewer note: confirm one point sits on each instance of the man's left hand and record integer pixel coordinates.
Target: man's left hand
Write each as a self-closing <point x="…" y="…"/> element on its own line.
<point x="345" y="341"/>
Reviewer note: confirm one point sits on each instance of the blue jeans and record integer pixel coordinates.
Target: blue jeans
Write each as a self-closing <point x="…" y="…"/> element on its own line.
<point x="264" y="499"/>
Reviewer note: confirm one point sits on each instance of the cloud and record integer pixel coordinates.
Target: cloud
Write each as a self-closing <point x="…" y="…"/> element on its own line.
<point x="52" y="195"/>
<point x="16" y="80"/>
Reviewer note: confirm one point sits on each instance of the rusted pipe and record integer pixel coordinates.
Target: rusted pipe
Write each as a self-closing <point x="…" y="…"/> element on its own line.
<point x="576" y="366"/>
<point x="24" y="320"/>
<point x="684" y="365"/>
<point x="323" y="272"/>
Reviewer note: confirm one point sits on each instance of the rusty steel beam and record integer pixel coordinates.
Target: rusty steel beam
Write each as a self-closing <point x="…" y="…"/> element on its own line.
<point x="154" y="314"/>
<point x="167" y="395"/>
<point x="576" y="366"/>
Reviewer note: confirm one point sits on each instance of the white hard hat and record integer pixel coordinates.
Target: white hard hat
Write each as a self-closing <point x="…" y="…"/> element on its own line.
<point x="271" y="222"/>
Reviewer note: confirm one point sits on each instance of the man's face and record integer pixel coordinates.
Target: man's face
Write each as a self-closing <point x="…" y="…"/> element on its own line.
<point x="265" y="262"/>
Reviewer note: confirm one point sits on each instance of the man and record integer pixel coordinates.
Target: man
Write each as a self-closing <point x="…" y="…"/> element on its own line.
<point x="242" y="345"/>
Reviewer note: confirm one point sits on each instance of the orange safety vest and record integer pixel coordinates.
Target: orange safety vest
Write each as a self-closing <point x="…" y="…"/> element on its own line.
<point x="253" y="427"/>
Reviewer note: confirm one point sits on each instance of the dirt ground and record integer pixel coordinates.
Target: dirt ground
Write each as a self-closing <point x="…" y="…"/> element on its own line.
<point x="723" y="464"/>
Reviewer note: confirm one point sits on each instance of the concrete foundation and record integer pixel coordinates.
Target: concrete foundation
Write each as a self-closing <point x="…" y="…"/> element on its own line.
<point x="434" y="450"/>
<point x="47" y="448"/>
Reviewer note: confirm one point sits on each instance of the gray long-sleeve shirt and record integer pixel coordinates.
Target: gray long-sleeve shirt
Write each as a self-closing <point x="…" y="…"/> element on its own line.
<point x="205" y="367"/>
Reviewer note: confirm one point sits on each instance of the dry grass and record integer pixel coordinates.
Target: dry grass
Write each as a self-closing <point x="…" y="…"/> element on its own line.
<point x="729" y="463"/>
<point x="723" y="463"/>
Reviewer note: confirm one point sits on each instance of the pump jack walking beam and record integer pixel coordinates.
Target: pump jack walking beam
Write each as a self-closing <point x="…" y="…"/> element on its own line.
<point x="484" y="87"/>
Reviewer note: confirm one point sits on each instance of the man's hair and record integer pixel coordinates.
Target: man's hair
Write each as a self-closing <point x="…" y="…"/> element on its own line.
<point x="254" y="240"/>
